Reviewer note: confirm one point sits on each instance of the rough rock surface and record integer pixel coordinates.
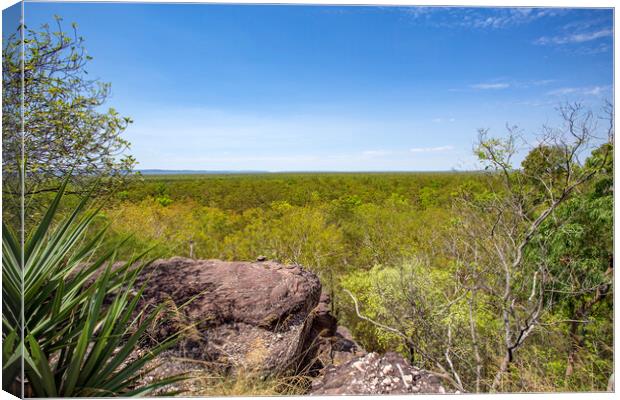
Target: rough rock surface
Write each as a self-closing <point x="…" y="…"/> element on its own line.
<point x="253" y="315"/>
<point x="325" y="323"/>
<point x="343" y="347"/>
<point x="375" y="374"/>
<point x="265" y="318"/>
<point x="335" y="343"/>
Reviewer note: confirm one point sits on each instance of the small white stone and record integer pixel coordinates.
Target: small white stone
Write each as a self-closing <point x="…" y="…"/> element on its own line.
<point x="358" y="366"/>
<point x="408" y="379"/>
<point x="386" y="381"/>
<point x="387" y="369"/>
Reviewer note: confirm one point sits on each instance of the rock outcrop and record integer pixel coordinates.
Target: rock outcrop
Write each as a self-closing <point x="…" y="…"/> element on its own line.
<point x="255" y="315"/>
<point x="375" y="374"/>
<point x="266" y="318"/>
<point x="335" y="343"/>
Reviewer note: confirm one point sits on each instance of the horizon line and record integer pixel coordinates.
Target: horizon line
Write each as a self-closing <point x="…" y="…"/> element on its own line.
<point x="291" y="171"/>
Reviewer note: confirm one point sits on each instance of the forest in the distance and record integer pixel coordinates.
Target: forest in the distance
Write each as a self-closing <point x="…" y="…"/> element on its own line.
<point x="399" y="243"/>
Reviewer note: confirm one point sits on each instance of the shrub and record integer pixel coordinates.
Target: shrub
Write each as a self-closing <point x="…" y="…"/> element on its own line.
<point x="80" y="325"/>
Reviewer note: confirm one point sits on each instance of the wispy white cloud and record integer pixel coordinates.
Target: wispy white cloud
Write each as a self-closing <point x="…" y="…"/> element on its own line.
<point x="505" y="83"/>
<point x="562" y="91"/>
<point x="596" y="90"/>
<point x="441" y="120"/>
<point x="536" y="103"/>
<point x="479" y="18"/>
<point x="376" y="153"/>
<point x="542" y="82"/>
<point x="431" y="149"/>
<point x="420" y="12"/>
<point x="574" y="37"/>
<point x="490" y="86"/>
<point x="580" y="91"/>
<point x="588" y="50"/>
<point x="584" y="24"/>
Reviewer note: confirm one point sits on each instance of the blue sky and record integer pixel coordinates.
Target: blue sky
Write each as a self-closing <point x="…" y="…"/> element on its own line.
<point x="231" y="87"/>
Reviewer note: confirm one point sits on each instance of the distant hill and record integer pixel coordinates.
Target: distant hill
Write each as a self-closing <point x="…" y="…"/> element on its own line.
<point x="193" y="172"/>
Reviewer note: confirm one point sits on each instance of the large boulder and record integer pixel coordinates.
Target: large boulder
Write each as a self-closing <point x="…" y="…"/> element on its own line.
<point x="376" y="374"/>
<point x="251" y="315"/>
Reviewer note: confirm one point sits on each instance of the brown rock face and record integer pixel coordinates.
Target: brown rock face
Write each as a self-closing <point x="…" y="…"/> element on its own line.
<point x="324" y="322"/>
<point x="335" y="343"/>
<point x="240" y="314"/>
<point x="375" y="374"/>
<point x="268" y="318"/>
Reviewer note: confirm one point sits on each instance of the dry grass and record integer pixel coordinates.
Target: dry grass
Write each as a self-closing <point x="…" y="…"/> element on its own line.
<point x="257" y="355"/>
<point x="249" y="383"/>
<point x="209" y="379"/>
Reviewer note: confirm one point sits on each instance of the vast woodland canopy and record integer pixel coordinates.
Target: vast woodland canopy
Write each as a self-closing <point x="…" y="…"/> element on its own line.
<point x="422" y="253"/>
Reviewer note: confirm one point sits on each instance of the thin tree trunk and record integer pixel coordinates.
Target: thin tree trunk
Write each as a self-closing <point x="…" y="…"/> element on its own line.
<point x="474" y="338"/>
<point x="572" y="350"/>
<point x="573" y="340"/>
<point x="503" y="368"/>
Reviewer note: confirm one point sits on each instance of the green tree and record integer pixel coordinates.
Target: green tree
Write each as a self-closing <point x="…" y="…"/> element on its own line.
<point x="64" y="128"/>
<point x="544" y="168"/>
<point x="580" y="249"/>
<point x="502" y="230"/>
<point x="506" y="252"/>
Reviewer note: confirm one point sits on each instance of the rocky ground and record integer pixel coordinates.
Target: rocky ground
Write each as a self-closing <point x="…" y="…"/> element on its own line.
<point x="267" y="318"/>
<point x="376" y="374"/>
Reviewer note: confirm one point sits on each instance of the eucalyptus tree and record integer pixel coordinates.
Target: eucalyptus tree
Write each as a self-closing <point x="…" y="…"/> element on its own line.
<point x="510" y="256"/>
<point x="53" y="116"/>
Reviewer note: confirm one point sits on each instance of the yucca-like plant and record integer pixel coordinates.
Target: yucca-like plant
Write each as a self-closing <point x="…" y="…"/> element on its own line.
<point x="80" y="320"/>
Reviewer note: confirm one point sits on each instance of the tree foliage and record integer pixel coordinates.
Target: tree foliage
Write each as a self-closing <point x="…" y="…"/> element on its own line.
<point x="65" y="130"/>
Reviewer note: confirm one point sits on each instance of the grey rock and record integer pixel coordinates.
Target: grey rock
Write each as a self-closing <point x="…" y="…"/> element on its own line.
<point x="394" y="372"/>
